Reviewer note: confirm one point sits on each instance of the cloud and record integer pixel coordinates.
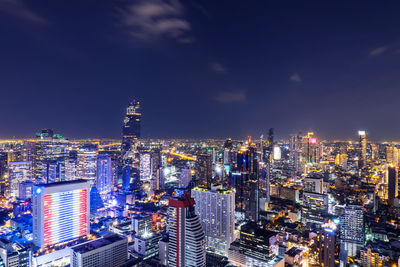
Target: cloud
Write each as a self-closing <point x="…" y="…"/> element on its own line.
<point x="218" y="68"/>
<point x="154" y="19"/>
<point x="378" y="51"/>
<point x="295" y="77"/>
<point x="18" y="8"/>
<point x="229" y="97"/>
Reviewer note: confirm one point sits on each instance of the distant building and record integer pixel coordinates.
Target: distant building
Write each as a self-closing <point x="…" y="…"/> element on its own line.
<point x="393" y="184"/>
<point x="131" y="126"/>
<point x="104" y="174"/>
<point x="108" y="251"/>
<point x="87" y="163"/>
<point x="20" y="171"/>
<point x="203" y="170"/>
<point x="60" y="212"/>
<point x="25" y="190"/>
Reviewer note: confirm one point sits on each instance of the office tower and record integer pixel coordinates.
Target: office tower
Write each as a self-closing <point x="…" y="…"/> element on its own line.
<point x="216" y="210"/>
<point x="142" y="223"/>
<point x="185" y="177"/>
<point x="25" y="190"/>
<point x="254" y="247"/>
<point x="19" y="171"/>
<point x="104" y="174"/>
<point x="310" y="148"/>
<point x="268" y="153"/>
<point x="158" y="179"/>
<point x="203" y="170"/>
<point x="186" y="236"/>
<point x="52" y="171"/>
<point x="146" y="246"/>
<point x="314" y="210"/>
<point x="108" y="251"/>
<point x="247" y="187"/>
<point x="60" y="212"/>
<point x="352" y="229"/>
<point x="328" y="248"/>
<point x="71" y="163"/>
<point x="295" y="153"/>
<point x="13" y="254"/>
<point x="87" y="163"/>
<point x="50" y="148"/>
<point x="229" y="155"/>
<point x="131" y="127"/>
<point x="393" y="184"/>
<point x="362" y="148"/>
<point x="314" y="185"/>
<point x="145" y="166"/>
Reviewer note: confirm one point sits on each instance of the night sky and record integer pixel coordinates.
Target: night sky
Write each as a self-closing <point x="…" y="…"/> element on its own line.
<point x="200" y="68"/>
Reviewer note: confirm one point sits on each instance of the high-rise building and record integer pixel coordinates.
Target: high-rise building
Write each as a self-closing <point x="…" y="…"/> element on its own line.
<point x="247" y="186"/>
<point x="362" y="147"/>
<point x="216" y="210"/>
<point x="142" y="224"/>
<point x="352" y="233"/>
<point x="145" y="166"/>
<point x="186" y="236"/>
<point x="60" y="212"/>
<point x="25" y="190"/>
<point x="393" y="184"/>
<point x="314" y="210"/>
<point x="20" y="171"/>
<point x="254" y="247"/>
<point x="104" y="174"/>
<point x="107" y="251"/>
<point x="131" y="127"/>
<point x="51" y="152"/>
<point x="87" y="163"/>
<point x="328" y="247"/>
<point x="185" y="177"/>
<point x="203" y="170"/>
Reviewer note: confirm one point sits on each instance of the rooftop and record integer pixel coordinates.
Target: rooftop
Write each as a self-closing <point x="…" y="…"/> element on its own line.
<point x="78" y="181"/>
<point x="97" y="243"/>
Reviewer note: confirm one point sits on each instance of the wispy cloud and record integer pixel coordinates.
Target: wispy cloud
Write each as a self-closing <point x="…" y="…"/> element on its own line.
<point x="231" y="96"/>
<point x="19" y="9"/>
<point x="378" y="51"/>
<point x="153" y="19"/>
<point x="218" y="68"/>
<point x="295" y="77"/>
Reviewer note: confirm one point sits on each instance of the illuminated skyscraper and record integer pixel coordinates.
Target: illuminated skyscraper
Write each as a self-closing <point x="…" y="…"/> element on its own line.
<point x="203" y="170"/>
<point x="131" y="127"/>
<point x="104" y="174"/>
<point x="186" y="236"/>
<point x="247" y="184"/>
<point x="60" y="212"/>
<point x="51" y="152"/>
<point x="20" y="171"/>
<point x="363" y="147"/>
<point x="145" y="166"/>
<point x="87" y="163"/>
<point x="216" y="210"/>
<point x="352" y="229"/>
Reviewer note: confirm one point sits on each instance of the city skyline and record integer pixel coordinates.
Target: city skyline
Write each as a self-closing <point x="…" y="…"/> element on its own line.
<point x="206" y="70"/>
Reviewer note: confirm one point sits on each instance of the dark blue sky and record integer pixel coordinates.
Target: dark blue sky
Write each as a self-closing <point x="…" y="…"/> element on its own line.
<point x="200" y="68"/>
